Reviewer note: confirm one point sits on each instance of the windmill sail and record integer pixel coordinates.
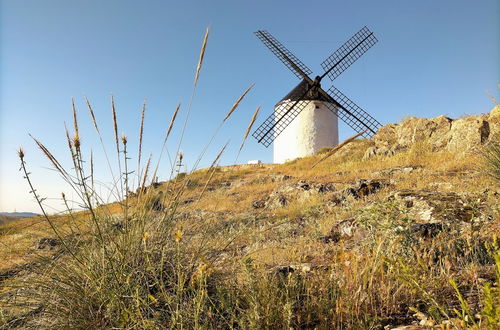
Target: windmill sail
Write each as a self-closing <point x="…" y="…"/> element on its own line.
<point x="297" y="100"/>
<point x="348" y="53"/>
<point x="351" y="114"/>
<point x="278" y="121"/>
<point x="290" y="60"/>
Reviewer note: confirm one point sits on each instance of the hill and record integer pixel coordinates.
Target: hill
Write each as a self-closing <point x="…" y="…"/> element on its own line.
<point x="389" y="232"/>
<point x="19" y="214"/>
<point x="6" y="217"/>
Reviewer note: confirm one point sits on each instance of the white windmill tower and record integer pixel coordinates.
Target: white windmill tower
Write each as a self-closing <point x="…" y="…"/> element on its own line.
<point x="306" y="119"/>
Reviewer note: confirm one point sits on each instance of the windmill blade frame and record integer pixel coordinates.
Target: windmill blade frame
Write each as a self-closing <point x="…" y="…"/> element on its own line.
<point x="348" y="53"/>
<point x="297" y="100"/>
<point x="269" y="130"/>
<point x="291" y="61"/>
<point x="350" y="113"/>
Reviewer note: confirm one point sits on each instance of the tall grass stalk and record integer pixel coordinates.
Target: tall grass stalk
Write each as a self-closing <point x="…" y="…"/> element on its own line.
<point x="96" y="127"/>
<point x="117" y="145"/>
<point x="164" y="144"/>
<point x="229" y="113"/>
<point x="139" y="152"/>
<point x="249" y="128"/>
<point x="196" y="77"/>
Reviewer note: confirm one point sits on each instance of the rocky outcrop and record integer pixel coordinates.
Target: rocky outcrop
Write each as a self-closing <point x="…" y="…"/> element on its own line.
<point x="434" y="207"/>
<point x="439" y="133"/>
<point x="302" y="190"/>
<point x="428" y="212"/>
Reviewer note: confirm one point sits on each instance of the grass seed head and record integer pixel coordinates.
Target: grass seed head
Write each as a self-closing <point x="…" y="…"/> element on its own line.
<point x="172" y="121"/>
<point x="202" y="54"/>
<point x="115" y="123"/>
<point x="20" y="153"/>
<point x="92" y="114"/>
<point x="235" y="105"/>
<point x="249" y="128"/>
<point x="76" y="141"/>
<point x="75" y="119"/>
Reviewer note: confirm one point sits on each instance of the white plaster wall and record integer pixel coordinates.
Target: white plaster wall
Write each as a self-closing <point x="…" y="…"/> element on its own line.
<point x="314" y="128"/>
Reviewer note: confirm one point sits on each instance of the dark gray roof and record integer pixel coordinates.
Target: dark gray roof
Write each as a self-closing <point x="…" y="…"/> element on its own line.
<point x="299" y="90"/>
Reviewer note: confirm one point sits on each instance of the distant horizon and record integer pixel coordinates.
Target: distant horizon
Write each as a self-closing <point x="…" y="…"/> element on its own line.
<point x="17" y="212"/>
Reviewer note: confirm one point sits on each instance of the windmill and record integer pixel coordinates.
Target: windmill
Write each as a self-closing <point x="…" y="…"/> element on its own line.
<point x="306" y="119"/>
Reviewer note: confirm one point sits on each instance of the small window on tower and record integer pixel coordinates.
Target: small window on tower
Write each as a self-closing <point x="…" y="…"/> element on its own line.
<point x="317" y="107"/>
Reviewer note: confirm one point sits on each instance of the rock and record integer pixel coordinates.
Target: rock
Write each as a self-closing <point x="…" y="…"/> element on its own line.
<point x="440" y="185"/>
<point x="276" y="201"/>
<point x="402" y="170"/>
<point x="157" y="203"/>
<point x="303" y="190"/>
<point x="426" y="230"/>
<point x="363" y="188"/>
<point x="382" y="151"/>
<point x="439" y="137"/>
<point x="345" y="229"/>
<point x="370" y="152"/>
<point x="118" y="226"/>
<point x="285" y="193"/>
<point x="259" y="203"/>
<point x="386" y="135"/>
<point x="419" y="129"/>
<point x="495" y="112"/>
<point x="433" y="206"/>
<point x="304" y="185"/>
<point x="46" y="243"/>
<point x="398" y="170"/>
<point x="156" y="184"/>
<point x="467" y="133"/>
<point x="324" y="187"/>
<point x="331" y="237"/>
<point x="494" y="122"/>
<point x="285" y="270"/>
<point x="280" y="178"/>
<point x="439" y="133"/>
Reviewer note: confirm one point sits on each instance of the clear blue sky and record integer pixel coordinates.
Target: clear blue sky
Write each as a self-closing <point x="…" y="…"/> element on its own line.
<point x="433" y="58"/>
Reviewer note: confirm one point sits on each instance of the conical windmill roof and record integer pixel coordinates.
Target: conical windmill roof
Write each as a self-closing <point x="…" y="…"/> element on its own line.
<point x="298" y="93"/>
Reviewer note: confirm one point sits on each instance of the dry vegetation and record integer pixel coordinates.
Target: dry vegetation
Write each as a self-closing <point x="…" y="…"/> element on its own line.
<point x="263" y="246"/>
<point x="179" y="260"/>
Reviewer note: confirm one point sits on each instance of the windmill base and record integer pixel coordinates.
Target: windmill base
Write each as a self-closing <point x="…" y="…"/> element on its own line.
<point x="314" y="128"/>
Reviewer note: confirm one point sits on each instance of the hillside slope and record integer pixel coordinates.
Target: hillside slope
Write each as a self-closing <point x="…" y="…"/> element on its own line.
<point x="370" y="237"/>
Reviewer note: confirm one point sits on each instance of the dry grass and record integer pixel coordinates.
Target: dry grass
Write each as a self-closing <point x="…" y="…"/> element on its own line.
<point x="220" y="240"/>
<point x="194" y="252"/>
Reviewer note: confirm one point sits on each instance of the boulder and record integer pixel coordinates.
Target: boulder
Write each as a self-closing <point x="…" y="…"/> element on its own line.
<point x="468" y="133"/>
<point x="439" y="133"/>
